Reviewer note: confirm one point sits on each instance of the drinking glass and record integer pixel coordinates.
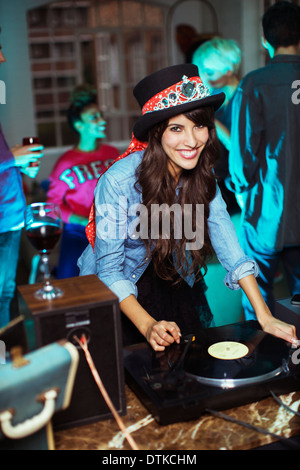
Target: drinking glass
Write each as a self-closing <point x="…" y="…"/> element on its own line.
<point x="43" y="226"/>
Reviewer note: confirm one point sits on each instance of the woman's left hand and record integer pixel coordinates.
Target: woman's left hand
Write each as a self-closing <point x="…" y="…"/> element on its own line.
<point x="280" y="329"/>
<point x="265" y="318"/>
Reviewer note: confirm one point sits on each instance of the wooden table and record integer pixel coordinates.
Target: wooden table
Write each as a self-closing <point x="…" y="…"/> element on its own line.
<point x="206" y="433"/>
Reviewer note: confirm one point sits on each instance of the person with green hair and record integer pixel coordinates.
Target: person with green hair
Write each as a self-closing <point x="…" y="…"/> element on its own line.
<point x="219" y="60"/>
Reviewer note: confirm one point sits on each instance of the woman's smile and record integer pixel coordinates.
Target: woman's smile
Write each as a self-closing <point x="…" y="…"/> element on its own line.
<point x="188" y="153"/>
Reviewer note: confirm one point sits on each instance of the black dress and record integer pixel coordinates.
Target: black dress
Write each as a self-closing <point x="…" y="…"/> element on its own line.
<point x="187" y="306"/>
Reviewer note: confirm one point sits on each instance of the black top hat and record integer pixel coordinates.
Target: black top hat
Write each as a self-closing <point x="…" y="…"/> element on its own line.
<point x="185" y="96"/>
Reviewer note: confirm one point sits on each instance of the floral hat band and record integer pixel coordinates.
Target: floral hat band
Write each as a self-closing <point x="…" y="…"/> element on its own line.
<point x="185" y="91"/>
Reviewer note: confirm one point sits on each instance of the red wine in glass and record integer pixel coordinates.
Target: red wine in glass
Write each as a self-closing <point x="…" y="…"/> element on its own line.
<point x="43" y="226"/>
<point x="44" y="237"/>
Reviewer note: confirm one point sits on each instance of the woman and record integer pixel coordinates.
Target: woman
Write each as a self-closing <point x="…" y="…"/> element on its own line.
<point x="157" y="274"/>
<point x="75" y="175"/>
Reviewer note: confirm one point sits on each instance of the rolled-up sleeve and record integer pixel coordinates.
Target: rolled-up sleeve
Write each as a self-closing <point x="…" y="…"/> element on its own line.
<point x="245" y="267"/>
<point x="226" y="244"/>
<point x="122" y="289"/>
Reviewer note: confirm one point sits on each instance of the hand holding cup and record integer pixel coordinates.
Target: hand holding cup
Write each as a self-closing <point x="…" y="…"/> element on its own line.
<point x="28" y="153"/>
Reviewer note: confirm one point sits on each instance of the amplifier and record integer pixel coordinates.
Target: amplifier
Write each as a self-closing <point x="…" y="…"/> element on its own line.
<point x="87" y="307"/>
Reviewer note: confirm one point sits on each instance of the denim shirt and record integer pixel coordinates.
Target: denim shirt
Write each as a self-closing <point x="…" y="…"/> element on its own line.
<point x="120" y="257"/>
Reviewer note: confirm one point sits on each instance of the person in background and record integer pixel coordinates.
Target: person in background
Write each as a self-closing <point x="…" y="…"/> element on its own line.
<point x="75" y="175"/>
<point x="264" y="160"/>
<point x="13" y="163"/>
<point x="219" y="61"/>
<point x="154" y="261"/>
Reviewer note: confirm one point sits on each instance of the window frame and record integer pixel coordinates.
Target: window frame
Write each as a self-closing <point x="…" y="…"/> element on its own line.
<point x="120" y="118"/>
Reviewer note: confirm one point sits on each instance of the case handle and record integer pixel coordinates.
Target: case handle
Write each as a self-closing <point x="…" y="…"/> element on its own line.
<point x="32" y="425"/>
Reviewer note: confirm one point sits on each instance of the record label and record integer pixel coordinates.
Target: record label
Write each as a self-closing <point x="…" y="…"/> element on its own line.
<point x="228" y="350"/>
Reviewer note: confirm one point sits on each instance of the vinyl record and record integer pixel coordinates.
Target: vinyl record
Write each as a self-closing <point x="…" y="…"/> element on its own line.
<point x="235" y="355"/>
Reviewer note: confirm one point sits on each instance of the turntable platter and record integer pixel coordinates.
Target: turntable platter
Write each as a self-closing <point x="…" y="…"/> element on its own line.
<point x="235" y="355"/>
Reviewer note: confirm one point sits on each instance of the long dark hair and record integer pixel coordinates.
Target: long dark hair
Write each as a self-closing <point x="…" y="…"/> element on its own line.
<point x="197" y="186"/>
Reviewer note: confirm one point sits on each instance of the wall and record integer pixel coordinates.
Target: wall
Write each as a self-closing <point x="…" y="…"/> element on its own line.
<point x="237" y="19"/>
<point x="17" y="116"/>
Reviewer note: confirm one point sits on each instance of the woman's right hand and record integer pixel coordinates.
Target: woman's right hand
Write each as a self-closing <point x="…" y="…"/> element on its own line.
<point x="162" y="334"/>
<point x="159" y="334"/>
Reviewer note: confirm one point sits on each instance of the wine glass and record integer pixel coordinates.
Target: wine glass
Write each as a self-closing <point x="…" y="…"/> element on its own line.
<point x="43" y="226"/>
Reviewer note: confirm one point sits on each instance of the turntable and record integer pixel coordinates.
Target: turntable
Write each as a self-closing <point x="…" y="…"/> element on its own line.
<point x="217" y="368"/>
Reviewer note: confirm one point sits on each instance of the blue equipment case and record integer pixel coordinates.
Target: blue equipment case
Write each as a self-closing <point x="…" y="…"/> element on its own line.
<point x="33" y="388"/>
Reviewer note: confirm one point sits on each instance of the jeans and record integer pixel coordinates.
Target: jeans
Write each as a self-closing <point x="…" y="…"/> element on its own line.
<point x="268" y="262"/>
<point x="9" y="255"/>
<point x="73" y="243"/>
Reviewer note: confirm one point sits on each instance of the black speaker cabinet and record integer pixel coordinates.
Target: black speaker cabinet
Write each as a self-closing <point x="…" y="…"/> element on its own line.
<point x="87" y="307"/>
